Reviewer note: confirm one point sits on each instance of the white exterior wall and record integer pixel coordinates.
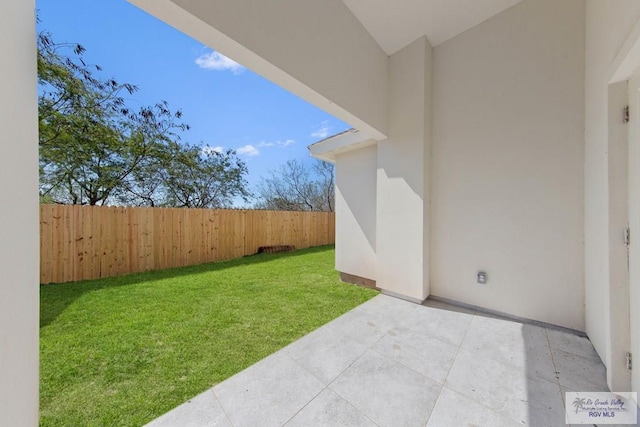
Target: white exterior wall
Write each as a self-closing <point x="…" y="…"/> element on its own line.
<point x="402" y="234"/>
<point x="507" y="183"/>
<point x="19" y="263"/>
<point x="356" y="212"/>
<point x="608" y="24"/>
<point x="318" y="50"/>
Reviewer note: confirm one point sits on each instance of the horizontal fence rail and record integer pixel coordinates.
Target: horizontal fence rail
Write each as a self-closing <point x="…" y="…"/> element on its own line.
<point x="89" y="242"/>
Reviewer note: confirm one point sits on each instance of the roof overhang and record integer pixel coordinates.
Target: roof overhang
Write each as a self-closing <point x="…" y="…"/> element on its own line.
<point x="349" y="140"/>
<point x="395" y="24"/>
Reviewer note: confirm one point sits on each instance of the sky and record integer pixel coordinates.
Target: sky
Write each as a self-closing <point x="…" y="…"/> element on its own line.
<point x="226" y="105"/>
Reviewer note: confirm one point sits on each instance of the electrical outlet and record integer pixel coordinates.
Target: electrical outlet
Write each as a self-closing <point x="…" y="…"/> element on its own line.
<point x="482" y="277"/>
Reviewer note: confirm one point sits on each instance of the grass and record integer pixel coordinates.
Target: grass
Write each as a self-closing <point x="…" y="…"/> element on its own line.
<point x="123" y="351"/>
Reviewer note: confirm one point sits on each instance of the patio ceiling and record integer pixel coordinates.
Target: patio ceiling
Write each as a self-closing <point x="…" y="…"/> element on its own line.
<point x="395" y="24"/>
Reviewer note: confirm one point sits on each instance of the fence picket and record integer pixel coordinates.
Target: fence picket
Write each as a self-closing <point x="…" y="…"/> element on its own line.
<point x="89" y="242"/>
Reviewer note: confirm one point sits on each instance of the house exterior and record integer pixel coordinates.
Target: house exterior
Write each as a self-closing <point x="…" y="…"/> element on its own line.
<point x="489" y="135"/>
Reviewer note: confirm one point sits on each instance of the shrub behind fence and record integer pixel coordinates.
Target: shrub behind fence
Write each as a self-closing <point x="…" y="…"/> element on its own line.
<point x="89" y="242"/>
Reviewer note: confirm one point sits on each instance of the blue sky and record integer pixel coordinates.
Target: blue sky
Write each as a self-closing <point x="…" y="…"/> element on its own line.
<point x="225" y="104"/>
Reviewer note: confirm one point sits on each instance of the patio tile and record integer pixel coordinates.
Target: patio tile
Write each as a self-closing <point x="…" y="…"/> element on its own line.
<point x="325" y="353"/>
<point x="426" y="355"/>
<point x="508" y="330"/>
<point x="503" y="388"/>
<point x="394" y="309"/>
<point x="578" y="373"/>
<point x="454" y="409"/>
<point x="328" y="409"/>
<point x="545" y="404"/>
<point x="201" y="411"/>
<point x="363" y="327"/>
<point x="518" y="345"/>
<point x="388" y="370"/>
<point x="267" y="393"/>
<point x="387" y="392"/>
<point x="571" y="343"/>
<point x="448" y="326"/>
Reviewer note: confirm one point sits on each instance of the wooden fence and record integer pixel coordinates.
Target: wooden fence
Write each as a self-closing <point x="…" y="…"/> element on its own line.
<point x="89" y="242"/>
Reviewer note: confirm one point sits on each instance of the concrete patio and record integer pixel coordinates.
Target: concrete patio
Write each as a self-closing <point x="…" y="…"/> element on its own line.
<point x="393" y="363"/>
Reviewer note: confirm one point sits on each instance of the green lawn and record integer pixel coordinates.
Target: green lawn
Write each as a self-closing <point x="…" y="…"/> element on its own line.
<point x="124" y="350"/>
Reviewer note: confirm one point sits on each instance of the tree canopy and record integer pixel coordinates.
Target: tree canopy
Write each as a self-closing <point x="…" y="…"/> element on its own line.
<point x="297" y="187"/>
<point x="96" y="150"/>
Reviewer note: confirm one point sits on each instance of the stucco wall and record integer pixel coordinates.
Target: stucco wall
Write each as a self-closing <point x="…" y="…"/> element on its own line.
<point x="356" y="212"/>
<point x="608" y="25"/>
<point x="403" y="164"/>
<point x="19" y="261"/>
<point x="507" y="183"/>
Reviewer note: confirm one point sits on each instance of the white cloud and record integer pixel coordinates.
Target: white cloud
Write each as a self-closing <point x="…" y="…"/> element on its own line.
<point x="216" y="61"/>
<point x="285" y="143"/>
<point x="208" y="149"/>
<point x="322" y="132"/>
<point x="265" y="144"/>
<point x="248" y="150"/>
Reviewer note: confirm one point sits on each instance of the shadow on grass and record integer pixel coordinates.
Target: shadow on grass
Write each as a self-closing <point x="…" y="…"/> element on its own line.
<point x="55" y="298"/>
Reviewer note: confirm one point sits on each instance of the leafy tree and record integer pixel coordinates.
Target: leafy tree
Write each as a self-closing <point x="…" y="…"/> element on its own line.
<point x="94" y="149"/>
<point x="296" y="187"/>
<point x="90" y="141"/>
<point x="204" y="179"/>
